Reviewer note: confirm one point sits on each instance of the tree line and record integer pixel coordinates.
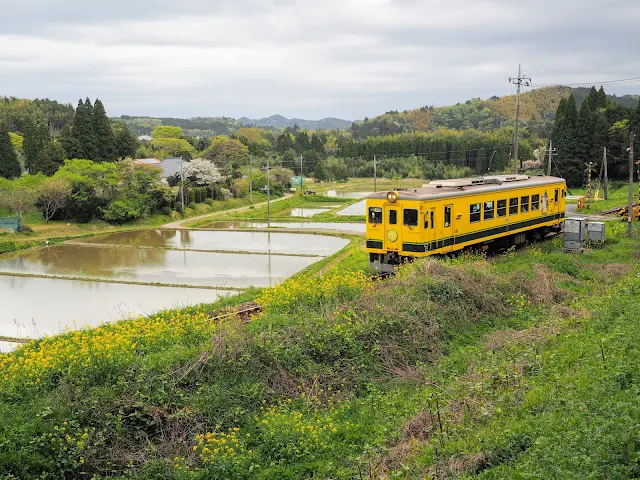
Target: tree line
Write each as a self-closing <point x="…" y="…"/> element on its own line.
<point x="580" y="135"/>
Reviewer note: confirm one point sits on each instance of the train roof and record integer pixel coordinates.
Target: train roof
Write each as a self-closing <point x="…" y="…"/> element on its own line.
<point x="457" y="187"/>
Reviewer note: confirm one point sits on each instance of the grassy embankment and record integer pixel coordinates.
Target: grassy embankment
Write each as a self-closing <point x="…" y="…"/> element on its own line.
<point x="521" y="366"/>
<point x="281" y="211"/>
<point x="59" y="231"/>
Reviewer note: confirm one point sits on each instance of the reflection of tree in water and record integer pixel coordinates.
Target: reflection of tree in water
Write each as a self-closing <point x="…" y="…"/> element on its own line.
<point x="148" y="238"/>
<point x="103" y="261"/>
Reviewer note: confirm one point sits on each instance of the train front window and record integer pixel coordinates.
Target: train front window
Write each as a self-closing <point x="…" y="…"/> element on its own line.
<point x="426" y="220"/>
<point x="524" y="204"/>
<point x="410" y="217"/>
<point x="513" y="206"/>
<point x="555" y="197"/>
<point x="393" y="217"/>
<point x="447" y="216"/>
<point x="488" y="210"/>
<point x="474" y="213"/>
<point x="535" y="203"/>
<point x="502" y="208"/>
<point x="375" y="215"/>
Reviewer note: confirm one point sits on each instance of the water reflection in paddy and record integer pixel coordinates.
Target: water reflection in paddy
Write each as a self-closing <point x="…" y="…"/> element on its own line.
<point x="241" y="241"/>
<point x="307" y="212"/>
<point x="358" y="208"/>
<point x="338" y="194"/>
<point x="316" y="226"/>
<point x="156" y="265"/>
<point x="33" y="307"/>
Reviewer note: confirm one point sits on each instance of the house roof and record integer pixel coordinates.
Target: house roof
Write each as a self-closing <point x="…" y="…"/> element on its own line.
<point x="170" y="166"/>
<point x="147" y="161"/>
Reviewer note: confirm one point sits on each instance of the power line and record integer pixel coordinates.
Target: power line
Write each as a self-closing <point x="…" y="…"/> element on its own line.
<point x="588" y="84"/>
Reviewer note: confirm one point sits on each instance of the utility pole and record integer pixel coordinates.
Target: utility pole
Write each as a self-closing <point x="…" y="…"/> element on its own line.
<point x="375" y="173"/>
<point x="526" y="81"/>
<point x="301" y="177"/>
<point x="630" y="211"/>
<point x="250" y="181"/>
<point x="552" y="152"/>
<point x="268" y="195"/>
<point x="606" y="177"/>
<point x="182" y="184"/>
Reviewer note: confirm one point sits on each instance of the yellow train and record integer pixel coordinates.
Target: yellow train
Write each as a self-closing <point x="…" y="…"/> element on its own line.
<point x="448" y="215"/>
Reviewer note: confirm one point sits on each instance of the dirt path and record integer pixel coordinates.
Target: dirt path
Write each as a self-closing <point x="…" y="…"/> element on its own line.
<point x="180" y="223"/>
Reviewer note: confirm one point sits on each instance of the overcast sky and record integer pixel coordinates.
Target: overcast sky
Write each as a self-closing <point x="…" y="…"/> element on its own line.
<point x="309" y="59"/>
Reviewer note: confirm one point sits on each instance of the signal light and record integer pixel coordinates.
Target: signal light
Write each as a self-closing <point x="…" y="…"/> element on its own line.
<point x="392" y="197"/>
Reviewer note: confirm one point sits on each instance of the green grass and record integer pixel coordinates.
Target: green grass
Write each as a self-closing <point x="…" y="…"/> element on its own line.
<point x="522" y="365"/>
<point x="618" y="196"/>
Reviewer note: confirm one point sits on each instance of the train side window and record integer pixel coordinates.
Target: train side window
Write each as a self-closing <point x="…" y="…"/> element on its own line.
<point x="535" y="203"/>
<point x="513" y="206"/>
<point x="502" y="208"/>
<point x="555" y="197"/>
<point x="474" y="213"/>
<point x="524" y="204"/>
<point x="447" y="216"/>
<point x="410" y="217"/>
<point x="375" y="215"/>
<point x="393" y="217"/>
<point x="488" y="210"/>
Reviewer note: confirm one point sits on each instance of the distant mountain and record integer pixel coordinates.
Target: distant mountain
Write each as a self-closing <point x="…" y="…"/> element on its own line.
<point x="278" y="121"/>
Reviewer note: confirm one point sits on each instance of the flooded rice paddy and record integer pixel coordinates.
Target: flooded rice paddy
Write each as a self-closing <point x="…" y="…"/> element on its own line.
<point x="109" y="277"/>
<point x="315" y="226"/>
<point x="339" y="194"/>
<point x="150" y="265"/>
<point x="238" y="241"/>
<point x="33" y="307"/>
<point x="358" y="208"/>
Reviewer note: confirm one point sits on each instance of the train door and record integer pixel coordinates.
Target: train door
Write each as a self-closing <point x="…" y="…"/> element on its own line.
<point x="446" y="241"/>
<point x="555" y="208"/>
<point x="392" y="228"/>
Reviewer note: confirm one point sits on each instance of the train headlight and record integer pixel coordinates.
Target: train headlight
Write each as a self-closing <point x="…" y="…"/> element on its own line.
<point x="392" y="197"/>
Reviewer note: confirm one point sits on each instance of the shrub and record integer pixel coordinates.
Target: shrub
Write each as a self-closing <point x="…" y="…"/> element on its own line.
<point x="225" y="194"/>
<point x="208" y="201"/>
<point x="192" y="205"/>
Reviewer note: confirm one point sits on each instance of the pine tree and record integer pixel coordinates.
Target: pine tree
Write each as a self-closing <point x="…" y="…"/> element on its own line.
<point x="103" y="133"/>
<point x="564" y="139"/>
<point x="125" y="142"/>
<point x="83" y="131"/>
<point x="69" y="143"/>
<point x="36" y="136"/>
<point x="602" y="98"/>
<point x="51" y="158"/>
<point x="9" y="163"/>
<point x="585" y="127"/>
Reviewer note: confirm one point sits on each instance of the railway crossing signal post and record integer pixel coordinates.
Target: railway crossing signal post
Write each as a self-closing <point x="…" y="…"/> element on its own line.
<point x="375" y="173"/>
<point x="552" y="153"/>
<point x="589" y="185"/>
<point x="606" y="177"/>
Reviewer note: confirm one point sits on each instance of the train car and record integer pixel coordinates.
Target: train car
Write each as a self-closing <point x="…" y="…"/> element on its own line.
<point x="445" y="216"/>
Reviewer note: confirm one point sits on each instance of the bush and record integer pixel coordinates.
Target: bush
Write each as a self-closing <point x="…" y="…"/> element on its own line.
<point x="125" y="209"/>
<point x="191" y="195"/>
<point x="225" y="194"/>
<point x="192" y="205"/>
<point x="208" y="201"/>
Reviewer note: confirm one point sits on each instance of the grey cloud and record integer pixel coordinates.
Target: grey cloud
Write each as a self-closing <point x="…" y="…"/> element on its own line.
<point x="350" y="58"/>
